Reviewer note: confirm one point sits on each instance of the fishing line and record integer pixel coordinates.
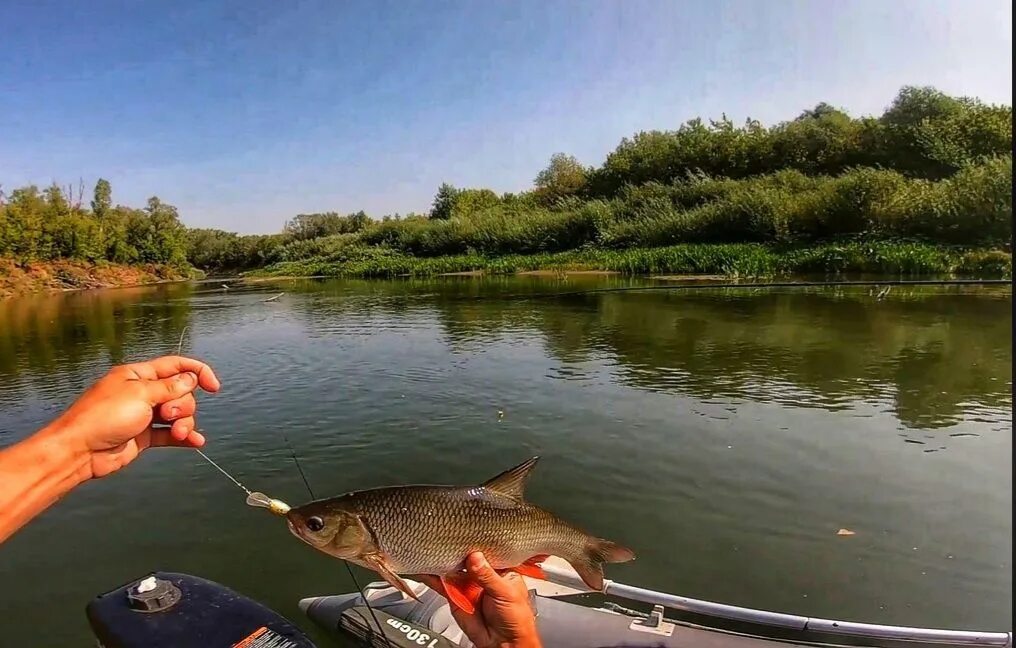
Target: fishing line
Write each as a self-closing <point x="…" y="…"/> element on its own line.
<point x="349" y="569"/>
<point x="179" y="350"/>
<point x="179" y="346"/>
<point x="303" y="476"/>
<point x="299" y="468"/>
<point x="221" y="470"/>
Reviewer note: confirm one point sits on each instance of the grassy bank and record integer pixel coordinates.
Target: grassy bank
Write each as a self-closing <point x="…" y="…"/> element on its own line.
<point x="55" y="276"/>
<point x="735" y="260"/>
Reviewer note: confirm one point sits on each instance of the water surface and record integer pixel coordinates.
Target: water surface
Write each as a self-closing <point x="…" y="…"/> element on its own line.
<point x="724" y="434"/>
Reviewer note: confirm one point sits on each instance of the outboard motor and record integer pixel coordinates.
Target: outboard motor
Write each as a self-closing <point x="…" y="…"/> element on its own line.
<point x="168" y="610"/>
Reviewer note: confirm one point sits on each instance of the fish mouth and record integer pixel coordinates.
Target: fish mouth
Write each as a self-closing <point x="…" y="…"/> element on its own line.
<point x="295" y="530"/>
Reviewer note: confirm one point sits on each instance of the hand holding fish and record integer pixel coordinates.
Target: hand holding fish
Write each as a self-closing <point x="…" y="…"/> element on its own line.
<point x="503" y="618"/>
<point x="103" y="431"/>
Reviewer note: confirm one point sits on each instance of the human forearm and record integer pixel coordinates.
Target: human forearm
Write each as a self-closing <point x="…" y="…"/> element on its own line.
<point x="103" y="431"/>
<point x="34" y="474"/>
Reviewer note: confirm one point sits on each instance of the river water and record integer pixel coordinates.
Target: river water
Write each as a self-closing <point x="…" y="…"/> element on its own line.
<point x="724" y="434"/>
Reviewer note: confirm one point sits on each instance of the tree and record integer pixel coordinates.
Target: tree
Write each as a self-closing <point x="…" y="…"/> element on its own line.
<point x="914" y="105"/>
<point x="822" y="109"/>
<point x="156" y="233"/>
<point x="473" y="201"/>
<point x="304" y="227"/>
<point x="444" y="201"/>
<point x="24" y="223"/>
<point x="357" y="221"/>
<point x="102" y="198"/>
<point x="932" y="135"/>
<point x="564" y="176"/>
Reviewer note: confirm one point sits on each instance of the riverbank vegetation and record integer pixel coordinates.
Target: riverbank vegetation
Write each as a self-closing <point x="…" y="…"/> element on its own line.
<point x="924" y="188"/>
<point x="732" y="259"/>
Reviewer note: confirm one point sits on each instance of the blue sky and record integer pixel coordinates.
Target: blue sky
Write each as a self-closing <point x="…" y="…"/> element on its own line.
<point x="245" y="113"/>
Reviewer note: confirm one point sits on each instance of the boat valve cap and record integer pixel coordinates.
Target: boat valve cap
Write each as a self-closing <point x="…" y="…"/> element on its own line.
<point x="153" y="595"/>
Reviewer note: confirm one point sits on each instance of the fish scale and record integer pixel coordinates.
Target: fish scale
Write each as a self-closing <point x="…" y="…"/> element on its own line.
<point x="429" y="530"/>
<point x="432" y="529"/>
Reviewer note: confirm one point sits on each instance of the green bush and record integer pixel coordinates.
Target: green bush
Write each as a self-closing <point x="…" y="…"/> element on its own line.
<point x="990" y="263"/>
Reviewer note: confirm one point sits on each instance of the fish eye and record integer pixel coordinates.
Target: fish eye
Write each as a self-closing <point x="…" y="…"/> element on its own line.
<point x="315" y="523"/>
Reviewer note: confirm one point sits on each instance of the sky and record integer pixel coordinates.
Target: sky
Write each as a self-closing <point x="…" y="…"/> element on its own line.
<point x="245" y="113"/>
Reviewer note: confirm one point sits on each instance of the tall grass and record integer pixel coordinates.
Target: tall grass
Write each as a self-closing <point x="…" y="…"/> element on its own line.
<point x="737" y="260"/>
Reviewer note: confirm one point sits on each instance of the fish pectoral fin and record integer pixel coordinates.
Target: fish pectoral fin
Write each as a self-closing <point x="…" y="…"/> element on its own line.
<point x="380" y="565"/>
<point x="463" y="593"/>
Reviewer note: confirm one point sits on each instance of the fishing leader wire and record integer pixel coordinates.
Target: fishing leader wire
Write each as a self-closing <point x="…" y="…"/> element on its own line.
<point x="349" y="569"/>
<point x="281" y="508"/>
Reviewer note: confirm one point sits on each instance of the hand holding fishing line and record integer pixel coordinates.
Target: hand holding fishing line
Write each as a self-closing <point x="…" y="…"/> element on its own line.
<point x="112" y="422"/>
<point x="103" y="431"/>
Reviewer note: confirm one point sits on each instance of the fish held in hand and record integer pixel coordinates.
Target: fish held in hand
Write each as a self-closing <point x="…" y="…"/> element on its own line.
<point x="431" y="529"/>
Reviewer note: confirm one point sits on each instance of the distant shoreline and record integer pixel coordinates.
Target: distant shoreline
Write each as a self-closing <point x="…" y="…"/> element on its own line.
<point x="48" y="277"/>
<point x="685" y="263"/>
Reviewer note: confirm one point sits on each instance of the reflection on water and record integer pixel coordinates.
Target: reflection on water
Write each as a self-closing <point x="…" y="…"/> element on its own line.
<point x="724" y="433"/>
<point x="934" y="356"/>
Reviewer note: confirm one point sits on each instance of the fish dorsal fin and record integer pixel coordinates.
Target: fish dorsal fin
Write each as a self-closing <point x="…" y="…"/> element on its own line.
<point x="512" y="482"/>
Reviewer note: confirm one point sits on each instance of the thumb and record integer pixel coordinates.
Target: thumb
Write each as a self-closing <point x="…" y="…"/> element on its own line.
<point x="491" y="582"/>
<point x="167" y="389"/>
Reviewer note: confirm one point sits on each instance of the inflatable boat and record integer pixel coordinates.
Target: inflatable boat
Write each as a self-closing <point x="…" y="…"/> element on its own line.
<point x="166" y="609"/>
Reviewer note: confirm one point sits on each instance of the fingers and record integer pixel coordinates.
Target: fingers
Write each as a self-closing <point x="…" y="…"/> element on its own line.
<point x="491" y="582"/>
<point x="177" y="408"/>
<point x="182" y="427"/>
<point x="163" y="437"/>
<point x="169" y="389"/>
<point x="169" y="366"/>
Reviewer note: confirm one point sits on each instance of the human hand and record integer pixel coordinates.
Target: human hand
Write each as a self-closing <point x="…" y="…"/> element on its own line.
<point x="112" y="422"/>
<point x="504" y="617"/>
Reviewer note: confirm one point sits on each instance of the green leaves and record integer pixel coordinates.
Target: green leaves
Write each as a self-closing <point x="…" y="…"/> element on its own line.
<point x="924" y="133"/>
<point x="46" y="225"/>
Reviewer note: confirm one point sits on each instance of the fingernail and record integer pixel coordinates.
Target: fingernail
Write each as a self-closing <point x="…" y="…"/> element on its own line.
<point x="174" y="412"/>
<point x="477" y="561"/>
<point x="188" y="379"/>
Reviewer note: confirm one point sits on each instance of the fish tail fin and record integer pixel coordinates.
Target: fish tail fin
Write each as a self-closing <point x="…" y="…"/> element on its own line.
<point x="589" y="564"/>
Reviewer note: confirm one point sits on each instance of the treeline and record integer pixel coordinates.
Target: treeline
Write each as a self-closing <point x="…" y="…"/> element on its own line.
<point x="51" y="224"/>
<point x="924" y="133"/>
<point x="931" y="168"/>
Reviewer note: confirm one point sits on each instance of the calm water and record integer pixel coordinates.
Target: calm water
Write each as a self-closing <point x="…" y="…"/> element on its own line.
<point x="726" y="435"/>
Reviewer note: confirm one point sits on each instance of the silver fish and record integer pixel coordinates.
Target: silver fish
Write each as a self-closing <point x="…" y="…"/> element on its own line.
<point x="431" y="529"/>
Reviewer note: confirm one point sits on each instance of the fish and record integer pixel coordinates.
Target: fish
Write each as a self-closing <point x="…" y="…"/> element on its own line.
<point x="421" y="529"/>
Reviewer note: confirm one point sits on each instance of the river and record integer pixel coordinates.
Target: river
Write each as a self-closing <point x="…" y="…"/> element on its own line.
<point x="724" y="434"/>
